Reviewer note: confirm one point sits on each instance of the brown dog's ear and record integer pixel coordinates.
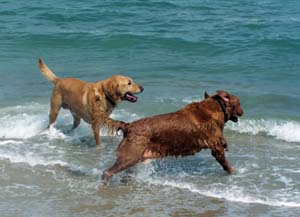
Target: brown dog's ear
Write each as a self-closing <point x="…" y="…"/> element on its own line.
<point x="206" y="95"/>
<point x="224" y="95"/>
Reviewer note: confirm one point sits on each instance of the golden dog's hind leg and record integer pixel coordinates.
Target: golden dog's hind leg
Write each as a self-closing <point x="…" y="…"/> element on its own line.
<point x="55" y="107"/>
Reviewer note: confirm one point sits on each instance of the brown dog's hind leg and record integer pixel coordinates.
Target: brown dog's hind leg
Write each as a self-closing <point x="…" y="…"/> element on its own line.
<point x="55" y="107"/>
<point x="220" y="157"/>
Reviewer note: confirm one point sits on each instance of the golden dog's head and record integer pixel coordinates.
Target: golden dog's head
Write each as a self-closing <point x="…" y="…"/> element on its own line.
<point x="119" y="87"/>
<point x="232" y="104"/>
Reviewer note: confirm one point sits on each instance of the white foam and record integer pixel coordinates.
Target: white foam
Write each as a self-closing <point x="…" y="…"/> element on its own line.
<point x="15" y="190"/>
<point x="53" y="133"/>
<point x="35" y="159"/>
<point x="31" y="159"/>
<point x="234" y="193"/>
<point x="122" y="114"/>
<point x="284" y="130"/>
<point x="29" y="120"/>
<point x="84" y="170"/>
<point x="192" y="99"/>
<point x="220" y="190"/>
<point x="26" y="125"/>
<point x="20" y="126"/>
<point x="10" y="142"/>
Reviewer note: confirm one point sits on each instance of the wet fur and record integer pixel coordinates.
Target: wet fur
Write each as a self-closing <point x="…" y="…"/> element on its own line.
<point x="197" y="126"/>
<point x="92" y="102"/>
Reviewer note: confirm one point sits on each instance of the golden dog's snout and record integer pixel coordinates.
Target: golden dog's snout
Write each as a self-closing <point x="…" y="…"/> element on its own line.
<point x="141" y="89"/>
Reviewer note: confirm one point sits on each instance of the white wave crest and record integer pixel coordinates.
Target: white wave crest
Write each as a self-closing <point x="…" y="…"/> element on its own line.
<point x="284" y="130"/>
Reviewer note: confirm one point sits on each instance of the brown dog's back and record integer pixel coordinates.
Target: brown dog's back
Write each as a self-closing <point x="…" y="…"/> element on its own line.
<point x="179" y="133"/>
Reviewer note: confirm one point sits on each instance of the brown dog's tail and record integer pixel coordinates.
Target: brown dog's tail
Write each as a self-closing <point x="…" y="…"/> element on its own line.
<point x="123" y="126"/>
<point x="47" y="72"/>
<point x="103" y="120"/>
<point x="115" y="126"/>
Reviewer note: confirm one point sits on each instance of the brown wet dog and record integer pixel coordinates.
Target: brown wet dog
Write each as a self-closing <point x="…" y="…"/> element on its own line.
<point x="92" y="102"/>
<point x="197" y="126"/>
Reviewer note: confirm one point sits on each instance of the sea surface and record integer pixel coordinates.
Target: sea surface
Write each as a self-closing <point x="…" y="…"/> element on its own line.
<point x="176" y="50"/>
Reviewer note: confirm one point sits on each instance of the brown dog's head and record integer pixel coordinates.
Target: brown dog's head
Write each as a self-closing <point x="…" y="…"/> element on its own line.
<point x="232" y="104"/>
<point x="120" y="88"/>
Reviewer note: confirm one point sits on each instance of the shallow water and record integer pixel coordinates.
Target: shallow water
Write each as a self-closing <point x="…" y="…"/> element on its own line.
<point x="176" y="50"/>
<point x="58" y="172"/>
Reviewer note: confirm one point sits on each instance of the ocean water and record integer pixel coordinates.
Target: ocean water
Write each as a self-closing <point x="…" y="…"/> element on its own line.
<point x="176" y="50"/>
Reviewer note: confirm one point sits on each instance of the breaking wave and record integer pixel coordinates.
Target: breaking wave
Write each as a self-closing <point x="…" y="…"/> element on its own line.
<point x="23" y="122"/>
<point x="279" y="129"/>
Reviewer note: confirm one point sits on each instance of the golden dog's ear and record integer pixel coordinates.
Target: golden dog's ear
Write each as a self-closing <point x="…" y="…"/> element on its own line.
<point x="97" y="95"/>
<point x="206" y="95"/>
<point x="110" y="86"/>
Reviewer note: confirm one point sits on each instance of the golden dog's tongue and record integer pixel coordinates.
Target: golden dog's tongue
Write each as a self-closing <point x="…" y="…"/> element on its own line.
<point x="130" y="97"/>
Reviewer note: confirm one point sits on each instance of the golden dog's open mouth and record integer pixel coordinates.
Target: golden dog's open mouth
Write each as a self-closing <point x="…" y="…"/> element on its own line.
<point x="234" y="119"/>
<point x="130" y="97"/>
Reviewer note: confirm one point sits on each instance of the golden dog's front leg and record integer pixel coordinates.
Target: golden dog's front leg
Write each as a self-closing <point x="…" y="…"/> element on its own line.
<point x="96" y="131"/>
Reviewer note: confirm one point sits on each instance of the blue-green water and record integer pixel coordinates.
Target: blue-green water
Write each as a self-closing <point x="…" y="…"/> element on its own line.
<point x="176" y="50"/>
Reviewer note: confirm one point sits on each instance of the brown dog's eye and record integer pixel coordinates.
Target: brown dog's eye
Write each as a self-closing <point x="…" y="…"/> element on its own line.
<point x="129" y="83"/>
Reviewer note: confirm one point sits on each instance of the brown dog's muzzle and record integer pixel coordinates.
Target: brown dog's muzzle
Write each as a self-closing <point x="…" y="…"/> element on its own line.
<point x="240" y="112"/>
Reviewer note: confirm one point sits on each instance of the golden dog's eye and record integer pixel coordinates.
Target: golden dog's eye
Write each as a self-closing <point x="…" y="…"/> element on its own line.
<point x="129" y="83"/>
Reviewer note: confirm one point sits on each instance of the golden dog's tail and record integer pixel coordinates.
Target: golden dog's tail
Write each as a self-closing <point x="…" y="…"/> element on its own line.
<point x="47" y="72"/>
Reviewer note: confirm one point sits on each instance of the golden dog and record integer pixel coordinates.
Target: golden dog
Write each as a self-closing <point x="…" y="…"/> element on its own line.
<point x="92" y="102"/>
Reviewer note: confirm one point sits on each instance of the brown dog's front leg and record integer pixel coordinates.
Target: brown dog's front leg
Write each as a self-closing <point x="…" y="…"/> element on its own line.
<point x="96" y="131"/>
<point x="120" y="165"/>
<point x="105" y="177"/>
<point x="220" y="157"/>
